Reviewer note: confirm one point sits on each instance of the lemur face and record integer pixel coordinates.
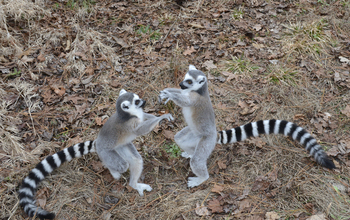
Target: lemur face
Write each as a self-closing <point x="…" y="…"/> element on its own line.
<point x="131" y="103"/>
<point x="194" y="79"/>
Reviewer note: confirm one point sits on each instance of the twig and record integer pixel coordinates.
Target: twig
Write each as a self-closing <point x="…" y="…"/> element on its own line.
<point x="150" y="203"/>
<point x="171" y="28"/>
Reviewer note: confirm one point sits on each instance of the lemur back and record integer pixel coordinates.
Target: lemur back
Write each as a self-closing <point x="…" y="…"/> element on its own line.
<point x="198" y="143"/>
<point x="113" y="146"/>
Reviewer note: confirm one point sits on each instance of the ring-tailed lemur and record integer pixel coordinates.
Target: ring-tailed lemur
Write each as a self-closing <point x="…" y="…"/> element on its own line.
<point x="198" y="139"/>
<point x="113" y="146"/>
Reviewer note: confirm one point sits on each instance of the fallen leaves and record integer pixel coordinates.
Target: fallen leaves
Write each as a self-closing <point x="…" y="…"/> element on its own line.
<point x="346" y="111"/>
<point x="189" y="51"/>
<point x="209" y="64"/>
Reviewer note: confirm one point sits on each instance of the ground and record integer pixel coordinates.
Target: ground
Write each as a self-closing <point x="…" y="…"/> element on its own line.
<point x="63" y="63"/>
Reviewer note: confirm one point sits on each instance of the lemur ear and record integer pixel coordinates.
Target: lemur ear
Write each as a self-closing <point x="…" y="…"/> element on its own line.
<point x="122" y="91"/>
<point x="201" y="79"/>
<point x="191" y="67"/>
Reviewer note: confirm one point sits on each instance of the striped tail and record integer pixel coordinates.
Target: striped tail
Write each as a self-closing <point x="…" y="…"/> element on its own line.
<point x="29" y="185"/>
<point x="277" y="127"/>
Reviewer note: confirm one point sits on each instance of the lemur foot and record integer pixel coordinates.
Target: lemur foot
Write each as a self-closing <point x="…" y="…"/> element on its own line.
<point x="195" y="181"/>
<point x="140" y="187"/>
<point x="116" y="175"/>
<point x="186" y="155"/>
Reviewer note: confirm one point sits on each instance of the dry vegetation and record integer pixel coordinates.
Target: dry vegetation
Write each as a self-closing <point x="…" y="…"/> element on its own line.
<point x="62" y="64"/>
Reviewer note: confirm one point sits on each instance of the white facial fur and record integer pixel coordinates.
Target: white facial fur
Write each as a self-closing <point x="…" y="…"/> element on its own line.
<point x="132" y="108"/>
<point x="196" y="83"/>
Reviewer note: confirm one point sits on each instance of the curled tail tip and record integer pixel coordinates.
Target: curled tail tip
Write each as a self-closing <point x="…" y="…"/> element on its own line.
<point x="328" y="163"/>
<point x="48" y="215"/>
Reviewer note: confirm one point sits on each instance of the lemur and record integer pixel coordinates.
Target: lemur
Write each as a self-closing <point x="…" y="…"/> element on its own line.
<point x="198" y="139"/>
<point x="113" y="146"/>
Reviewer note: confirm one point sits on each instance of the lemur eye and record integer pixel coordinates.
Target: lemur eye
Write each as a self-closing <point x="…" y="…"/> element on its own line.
<point x="137" y="102"/>
<point x="189" y="82"/>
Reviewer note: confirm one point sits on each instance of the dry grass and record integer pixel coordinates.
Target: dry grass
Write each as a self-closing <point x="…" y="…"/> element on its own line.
<point x="88" y="49"/>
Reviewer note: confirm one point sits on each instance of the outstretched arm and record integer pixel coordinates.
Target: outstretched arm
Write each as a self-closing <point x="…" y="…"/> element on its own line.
<point x="178" y="96"/>
<point x="149" y="124"/>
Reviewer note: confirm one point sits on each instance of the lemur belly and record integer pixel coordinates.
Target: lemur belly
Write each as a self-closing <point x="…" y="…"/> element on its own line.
<point x="187" y="112"/>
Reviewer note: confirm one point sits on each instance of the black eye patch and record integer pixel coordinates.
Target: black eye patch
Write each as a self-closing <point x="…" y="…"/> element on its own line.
<point x="189" y="82"/>
<point x="137" y="102"/>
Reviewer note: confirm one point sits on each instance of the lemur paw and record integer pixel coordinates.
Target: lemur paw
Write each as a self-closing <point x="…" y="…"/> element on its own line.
<point x="168" y="116"/>
<point x="195" y="181"/>
<point x="186" y="155"/>
<point x="164" y="95"/>
<point x="140" y="187"/>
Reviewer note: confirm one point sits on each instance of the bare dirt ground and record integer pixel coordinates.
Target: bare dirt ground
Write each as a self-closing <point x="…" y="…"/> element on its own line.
<point x="63" y="63"/>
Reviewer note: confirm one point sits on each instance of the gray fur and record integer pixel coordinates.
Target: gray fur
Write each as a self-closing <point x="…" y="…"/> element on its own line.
<point x="114" y="142"/>
<point x="198" y="139"/>
<point x="113" y="145"/>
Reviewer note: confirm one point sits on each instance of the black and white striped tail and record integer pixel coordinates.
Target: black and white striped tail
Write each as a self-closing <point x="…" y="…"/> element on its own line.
<point x="30" y="183"/>
<point x="286" y="128"/>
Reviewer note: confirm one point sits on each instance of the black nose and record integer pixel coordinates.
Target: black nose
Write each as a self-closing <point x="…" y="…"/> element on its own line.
<point x="143" y="103"/>
<point x="183" y="86"/>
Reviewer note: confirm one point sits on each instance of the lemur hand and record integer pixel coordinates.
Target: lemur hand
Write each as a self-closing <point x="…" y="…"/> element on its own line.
<point x="167" y="116"/>
<point x="164" y="95"/>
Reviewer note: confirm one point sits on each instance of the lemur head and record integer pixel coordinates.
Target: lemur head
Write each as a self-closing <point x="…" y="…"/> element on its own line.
<point x="129" y="105"/>
<point x="195" y="80"/>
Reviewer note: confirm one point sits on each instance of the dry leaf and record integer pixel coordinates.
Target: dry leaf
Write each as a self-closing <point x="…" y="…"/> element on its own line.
<point x="230" y="75"/>
<point x="41" y="58"/>
<point x="344" y="60"/>
<point x="346" y="111"/>
<point x="168" y="134"/>
<point x="209" y="64"/>
<point x="222" y="164"/>
<point x="189" y="50"/>
<point x="271" y="216"/>
<point x="42" y="202"/>
<point x="242" y="104"/>
<point x="97" y="166"/>
<point x="257" y="27"/>
<point x="337" y="77"/>
<point x="244" y="205"/>
<point x="215" y="206"/>
<point x="98" y="121"/>
<point x="81" y="108"/>
<point x="334" y="151"/>
<point x="202" y="211"/>
<point x="217" y="188"/>
<point x="320" y="216"/>
<point x="59" y="90"/>
<point x="26" y="59"/>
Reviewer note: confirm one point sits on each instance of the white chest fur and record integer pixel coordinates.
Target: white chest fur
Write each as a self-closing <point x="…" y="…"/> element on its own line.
<point x="187" y="112"/>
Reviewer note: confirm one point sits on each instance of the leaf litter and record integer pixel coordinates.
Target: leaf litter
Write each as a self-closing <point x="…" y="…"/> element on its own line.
<point x="63" y="64"/>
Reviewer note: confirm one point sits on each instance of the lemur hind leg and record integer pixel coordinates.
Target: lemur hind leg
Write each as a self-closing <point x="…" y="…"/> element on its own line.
<point x="199" y="160"/>
<point x="187" y="141"/>
<point x="134" y="159"/>
<point x="113" y="161"/>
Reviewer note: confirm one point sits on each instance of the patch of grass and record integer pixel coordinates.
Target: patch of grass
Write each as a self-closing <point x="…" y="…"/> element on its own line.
<point x="74" y="4"/>
<point x="309" y="38"/>
<point x="278" y="74"/>
<point x="147" y="30"/>
<point x="173" y="150"/>
<point x="239" y="65"/>
<point x="14" y="74"/>
<point x="238" y="13"/>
